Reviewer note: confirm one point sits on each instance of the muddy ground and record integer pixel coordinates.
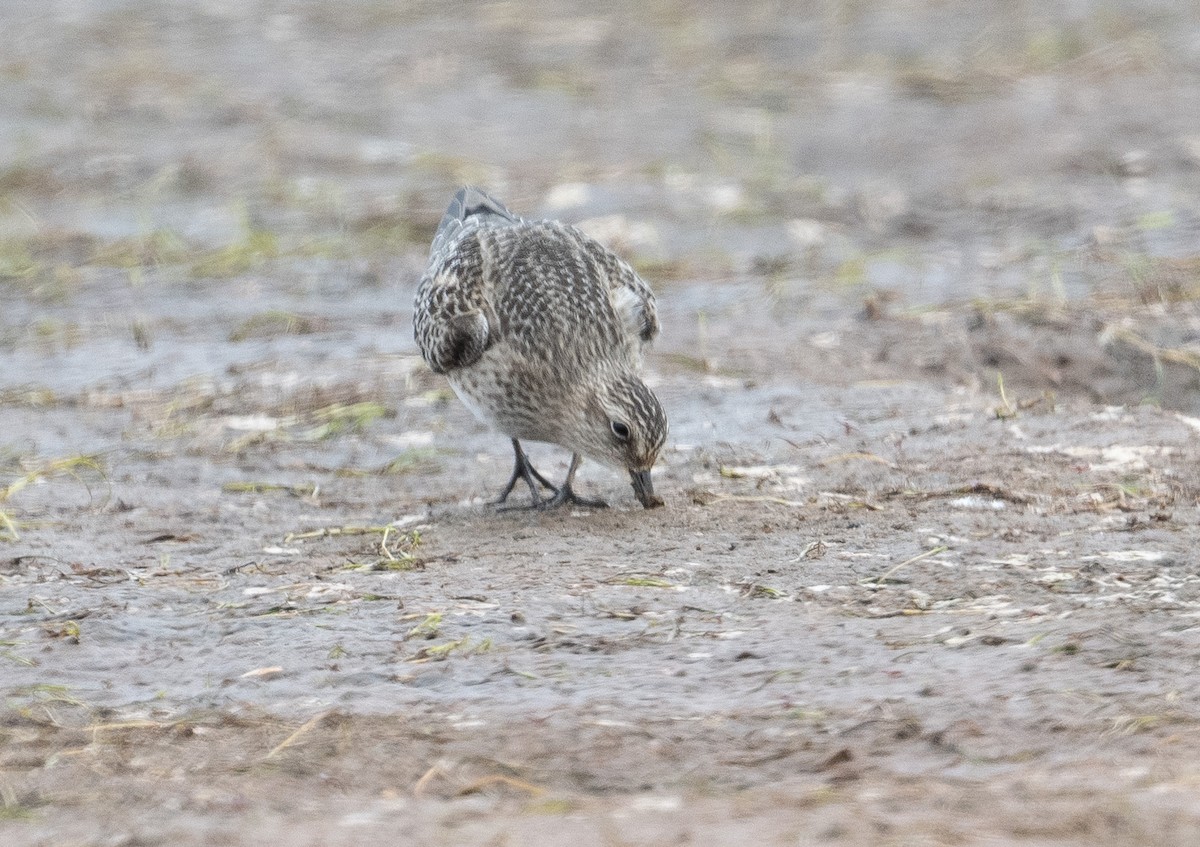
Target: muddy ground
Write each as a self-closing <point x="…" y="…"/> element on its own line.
<point x="927" y="570"/>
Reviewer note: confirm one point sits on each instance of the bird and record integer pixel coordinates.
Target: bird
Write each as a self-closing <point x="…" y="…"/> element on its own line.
<point x="540" y="330"/>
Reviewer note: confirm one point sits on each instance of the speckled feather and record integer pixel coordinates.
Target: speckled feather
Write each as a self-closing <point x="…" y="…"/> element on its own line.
<point x="538" y="327"/>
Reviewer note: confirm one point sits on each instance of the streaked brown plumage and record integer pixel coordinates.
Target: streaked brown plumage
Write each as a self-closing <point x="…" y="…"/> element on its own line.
<point x="540" y="331"/>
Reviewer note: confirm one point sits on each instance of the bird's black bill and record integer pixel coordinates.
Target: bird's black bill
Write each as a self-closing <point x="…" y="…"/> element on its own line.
<point x="643" y="489"/>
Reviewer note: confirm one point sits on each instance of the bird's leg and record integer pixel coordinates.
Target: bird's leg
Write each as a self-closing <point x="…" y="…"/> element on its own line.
<point x="523" y="469"/>
<point x="565" y="494"/>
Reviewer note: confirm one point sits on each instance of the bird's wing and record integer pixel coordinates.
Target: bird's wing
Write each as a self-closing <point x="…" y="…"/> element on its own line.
<point x="451" y="317"/>
<point x="631" y="297"/>
<point x="453" y="320"/>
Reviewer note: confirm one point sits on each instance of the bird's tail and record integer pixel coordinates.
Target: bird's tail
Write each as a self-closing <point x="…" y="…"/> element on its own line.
<point x="468" y="203"/>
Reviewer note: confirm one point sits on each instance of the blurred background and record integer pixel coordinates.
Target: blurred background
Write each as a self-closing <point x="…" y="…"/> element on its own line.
<point x="890" y="156"/>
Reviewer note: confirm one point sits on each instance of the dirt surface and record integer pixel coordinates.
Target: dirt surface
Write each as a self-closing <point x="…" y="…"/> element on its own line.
<point x="927" y="572"/>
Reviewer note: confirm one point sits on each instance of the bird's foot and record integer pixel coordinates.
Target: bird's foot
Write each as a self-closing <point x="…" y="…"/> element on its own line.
<point x="537" y="501"/>
<point x="560" y="495"/>
<point x="523" y="469"/>
<point x="566" y="496"/>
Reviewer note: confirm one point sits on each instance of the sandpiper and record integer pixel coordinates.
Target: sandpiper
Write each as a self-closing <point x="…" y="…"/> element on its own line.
<point x="540" y="331"/>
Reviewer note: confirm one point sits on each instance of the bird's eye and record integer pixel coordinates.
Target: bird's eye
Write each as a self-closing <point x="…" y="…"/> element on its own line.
<point x="620" y="430"/>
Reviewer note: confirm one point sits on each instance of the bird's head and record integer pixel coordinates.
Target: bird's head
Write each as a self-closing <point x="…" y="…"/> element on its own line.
<point x="624" y="427"/>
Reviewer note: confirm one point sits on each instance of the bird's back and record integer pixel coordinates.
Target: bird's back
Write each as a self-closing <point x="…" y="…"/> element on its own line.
<point x="551" y="296"/>
<point x="552" y="290"/>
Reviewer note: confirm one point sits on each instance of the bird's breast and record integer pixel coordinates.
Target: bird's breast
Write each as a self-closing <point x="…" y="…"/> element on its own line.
<point x="517" y="397"/>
